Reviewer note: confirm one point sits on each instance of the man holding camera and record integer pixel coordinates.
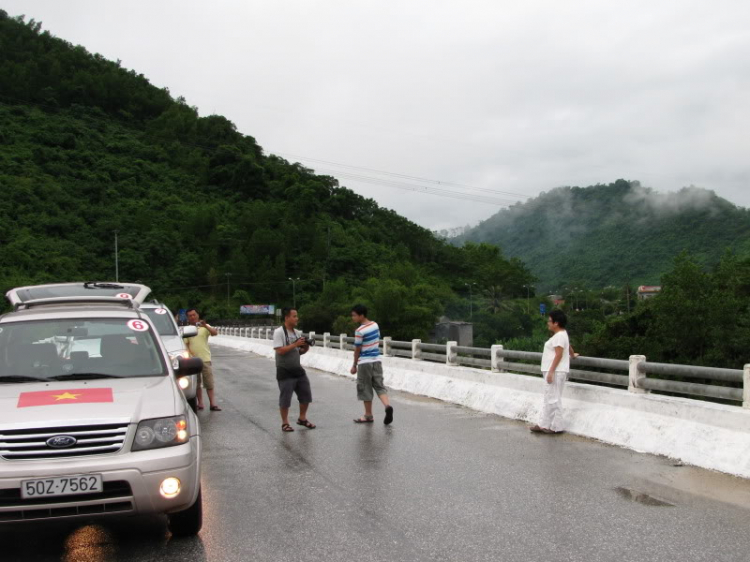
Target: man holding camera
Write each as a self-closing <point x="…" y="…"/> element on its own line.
<point x="290" y="344"/>
<point x="198" y="347"/>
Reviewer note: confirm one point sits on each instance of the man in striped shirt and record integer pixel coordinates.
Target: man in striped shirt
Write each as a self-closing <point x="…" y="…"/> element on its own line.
<point x="367" y="365"/>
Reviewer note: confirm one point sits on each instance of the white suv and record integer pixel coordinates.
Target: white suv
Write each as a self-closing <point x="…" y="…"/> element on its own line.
<point x="93" y="422"/>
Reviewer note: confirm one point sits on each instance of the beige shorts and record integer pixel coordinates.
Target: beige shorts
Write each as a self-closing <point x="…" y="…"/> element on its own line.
<point x="370" y="381"/>
<point x="206" y="377"/>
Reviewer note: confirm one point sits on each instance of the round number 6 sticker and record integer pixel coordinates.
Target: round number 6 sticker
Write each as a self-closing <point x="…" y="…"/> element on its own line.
<point x="123" y="296"/>
<point x="137" y="325"/>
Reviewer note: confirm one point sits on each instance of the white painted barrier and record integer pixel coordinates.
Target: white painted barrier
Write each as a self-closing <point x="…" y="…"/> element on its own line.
<point x="704" y="434"/>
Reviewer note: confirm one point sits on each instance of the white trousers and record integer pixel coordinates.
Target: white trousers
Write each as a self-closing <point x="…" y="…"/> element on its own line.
<point x="552" y="414"/>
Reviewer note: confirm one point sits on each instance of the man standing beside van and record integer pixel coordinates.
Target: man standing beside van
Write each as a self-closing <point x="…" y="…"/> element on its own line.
<point x="198" y="347"/>
<point x="367" y="365"/>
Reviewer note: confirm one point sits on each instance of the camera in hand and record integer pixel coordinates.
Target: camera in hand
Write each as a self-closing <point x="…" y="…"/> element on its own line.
<point x="308" y="341"/>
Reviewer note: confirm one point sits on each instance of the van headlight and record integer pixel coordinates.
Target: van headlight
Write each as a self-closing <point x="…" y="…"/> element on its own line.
<point x="161" y="432"/>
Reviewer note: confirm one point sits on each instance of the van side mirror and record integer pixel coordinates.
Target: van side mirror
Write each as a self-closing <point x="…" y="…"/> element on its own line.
<point x="188" y="366"/>
<point x="188" y="331"/>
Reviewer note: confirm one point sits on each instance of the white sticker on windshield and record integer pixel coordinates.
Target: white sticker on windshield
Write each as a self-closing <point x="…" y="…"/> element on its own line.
<point x="137" y="325"/>
<point x="123" y="296"/>
<point x="160" y="311"/>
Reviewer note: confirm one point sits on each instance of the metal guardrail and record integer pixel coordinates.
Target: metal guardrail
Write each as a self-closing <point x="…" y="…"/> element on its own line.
<point x="636" y="374"/>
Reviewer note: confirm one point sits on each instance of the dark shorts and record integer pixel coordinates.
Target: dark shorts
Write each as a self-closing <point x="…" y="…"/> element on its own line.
<point x="298" y="385"/>
<point x="370" y="381"/>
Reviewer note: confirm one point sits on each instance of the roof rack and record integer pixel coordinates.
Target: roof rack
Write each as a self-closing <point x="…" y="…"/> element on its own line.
<point x="130" y="303"/>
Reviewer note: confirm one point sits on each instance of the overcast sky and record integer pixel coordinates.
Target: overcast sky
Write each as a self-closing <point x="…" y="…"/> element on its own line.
<point x="508" y="96"/>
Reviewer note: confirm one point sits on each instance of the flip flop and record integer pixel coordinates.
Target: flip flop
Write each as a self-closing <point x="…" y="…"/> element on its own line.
<point x="200" y="407"/>
<point x="365" y="419"/>
<point x="215" y="409"/>
<point x="388" y="415"/>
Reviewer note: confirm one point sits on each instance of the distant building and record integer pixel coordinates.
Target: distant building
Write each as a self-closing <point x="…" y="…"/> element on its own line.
<point x="448" y="330"/>
<point x="557" y="300"/>
<point x="648" y="291"/>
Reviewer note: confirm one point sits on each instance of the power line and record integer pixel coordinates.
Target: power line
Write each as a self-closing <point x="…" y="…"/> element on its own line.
<point x="408" y="177"/>
<point x="425" y="189"/>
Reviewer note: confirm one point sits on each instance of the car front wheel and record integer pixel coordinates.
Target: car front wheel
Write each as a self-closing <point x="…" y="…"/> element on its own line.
<point x="188" y="522"/>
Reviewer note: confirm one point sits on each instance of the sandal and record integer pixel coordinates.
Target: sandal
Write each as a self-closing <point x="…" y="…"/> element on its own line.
<point x="200" y="407"/>
<point x="286" y="428"/>
<point x="215" y="409"/>
<point x="306" y="423"/>
<point x="365" y="419"/>
<point x="388" y="415"/>
<point x="536" y="429"/>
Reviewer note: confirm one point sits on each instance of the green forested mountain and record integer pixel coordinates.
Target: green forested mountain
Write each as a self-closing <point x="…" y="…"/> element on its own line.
<point x="204" y="216"/>
<point x="614" y="234"/>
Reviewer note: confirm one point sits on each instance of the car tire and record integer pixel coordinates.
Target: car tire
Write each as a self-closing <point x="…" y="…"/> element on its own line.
<point x="188" y="522"/>
<point x="193" y="403"/>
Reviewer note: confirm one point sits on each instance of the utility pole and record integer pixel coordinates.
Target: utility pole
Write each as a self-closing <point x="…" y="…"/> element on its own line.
<point x="228" y="276"/>
<point x="294" y="291"/>
<point x="471" y="300"/>
<point x="528" y="289"/>
<point x="627" y="296"/>
<point x="117" y="259"/>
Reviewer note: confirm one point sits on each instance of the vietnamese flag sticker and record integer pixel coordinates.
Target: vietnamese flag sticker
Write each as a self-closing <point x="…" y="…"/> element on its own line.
<point x="72" y="396"/>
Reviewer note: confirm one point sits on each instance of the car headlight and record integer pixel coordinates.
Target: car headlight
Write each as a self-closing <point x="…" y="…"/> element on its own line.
<point x="161" y="432"/>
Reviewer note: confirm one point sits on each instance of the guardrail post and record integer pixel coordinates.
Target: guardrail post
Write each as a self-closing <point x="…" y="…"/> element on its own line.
<point x="635" y="375"/>
<point x="497" y="361"/>
<point x="326" y="340"/>
<point x="451" y="355"/>
<point x="268" y="333"/>
<point x="311" y="336"/>
<point x="416" y="353"/>
<point x="387" y="346"/>
<point x="342" y="342"/>
<point x="252" y="332"/>
<point x="746" y="387"/>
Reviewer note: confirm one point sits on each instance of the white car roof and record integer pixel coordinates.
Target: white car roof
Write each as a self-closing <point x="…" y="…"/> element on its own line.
<point x="72" y="293"/>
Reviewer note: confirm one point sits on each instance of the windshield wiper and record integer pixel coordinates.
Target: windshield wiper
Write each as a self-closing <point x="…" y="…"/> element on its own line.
<point x="20" y="378"/>
<point x="84" y="376"/>
<point x="90" y="284"/>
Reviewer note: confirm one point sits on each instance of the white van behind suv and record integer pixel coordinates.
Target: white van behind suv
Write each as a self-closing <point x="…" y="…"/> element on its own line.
<point x="172" y="336"/>
<point x="92" y="421"/>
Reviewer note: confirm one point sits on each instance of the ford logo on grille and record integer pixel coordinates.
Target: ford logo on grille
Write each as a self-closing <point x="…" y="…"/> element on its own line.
<point x="61" y="441"/>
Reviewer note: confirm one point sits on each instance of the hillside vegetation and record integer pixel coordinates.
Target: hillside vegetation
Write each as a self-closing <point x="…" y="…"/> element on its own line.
<point x="204" y="216"/>
<point x="614" y="234"/>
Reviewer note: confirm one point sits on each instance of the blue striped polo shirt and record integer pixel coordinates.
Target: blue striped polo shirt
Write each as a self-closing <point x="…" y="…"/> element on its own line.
<point x="367" y="339"/>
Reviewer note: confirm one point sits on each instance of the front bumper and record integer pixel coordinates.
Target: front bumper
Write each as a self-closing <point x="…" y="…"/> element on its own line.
<point x="131" y="484"/>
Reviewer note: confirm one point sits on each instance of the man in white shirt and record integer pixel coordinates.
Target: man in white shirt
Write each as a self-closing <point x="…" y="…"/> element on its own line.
<point x="555" y="369"/>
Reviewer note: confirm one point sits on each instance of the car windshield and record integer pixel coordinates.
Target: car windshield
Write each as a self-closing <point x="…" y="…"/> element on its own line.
<point x="50" y="349"/>
<point x="163" y="320"/>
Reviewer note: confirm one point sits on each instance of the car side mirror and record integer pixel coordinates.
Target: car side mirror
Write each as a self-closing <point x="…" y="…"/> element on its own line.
<point x="188" y="366"/>
<point x="188" y="331"/>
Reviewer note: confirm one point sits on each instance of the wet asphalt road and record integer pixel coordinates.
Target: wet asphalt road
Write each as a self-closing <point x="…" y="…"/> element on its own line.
<point x="441" y="483"/>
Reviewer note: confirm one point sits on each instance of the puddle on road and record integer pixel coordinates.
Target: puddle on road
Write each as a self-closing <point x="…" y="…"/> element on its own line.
<point x="640" y="497"/>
